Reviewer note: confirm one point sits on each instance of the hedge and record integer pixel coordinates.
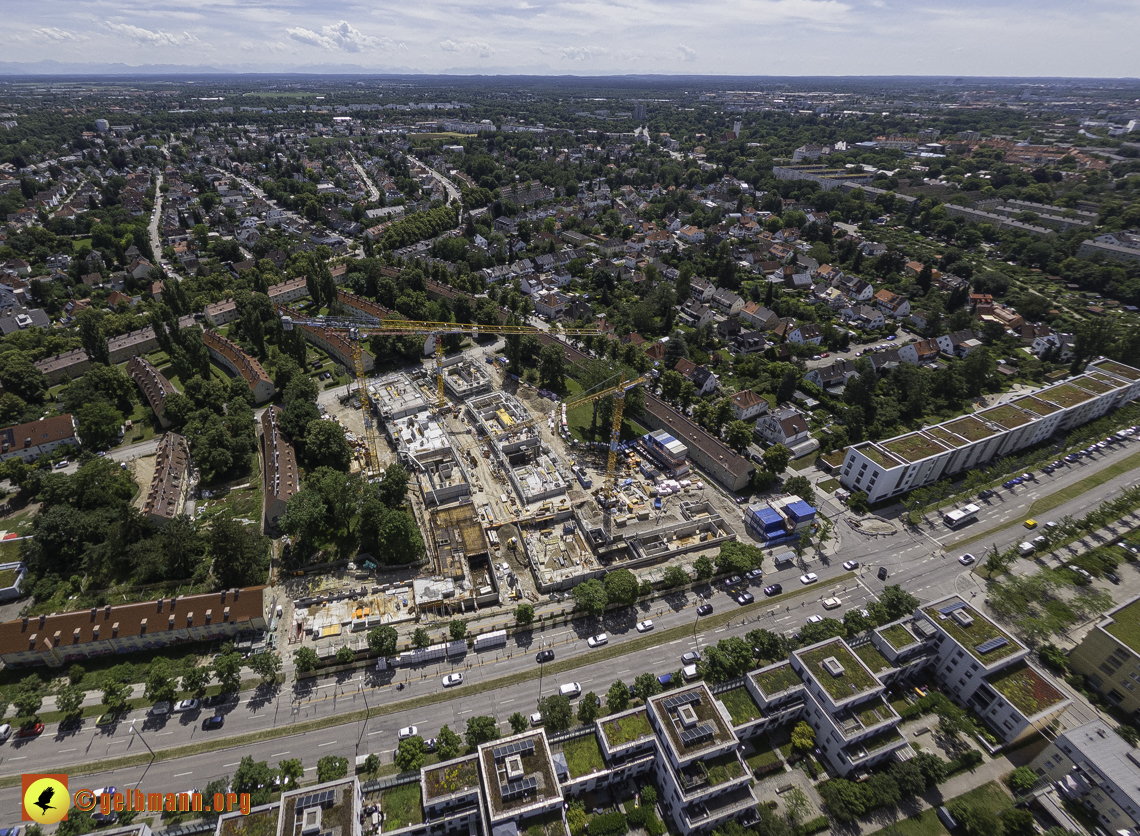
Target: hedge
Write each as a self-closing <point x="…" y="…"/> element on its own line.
<point x="645" y="818"/>
<point x="815" y="826"/>
<point x="608" y="824"/>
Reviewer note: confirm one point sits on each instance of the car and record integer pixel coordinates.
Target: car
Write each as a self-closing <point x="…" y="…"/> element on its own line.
<point x="5" y="731"/>
<point x="1041" y="541"/>
<point x="61" y="465"/>
<point x="108" y="719"/>
<point x="216" y="699"/>
<point x="1084" y="573"/>
<point x="1048" y="468"/>
<point x="1011" y="484"/>
<point x="1051" y="525"/>
<point x="183" y="706"/>
<point x="1028" y="477"/>
<point x="831" y="603"/>
<point x="810" y="577"/>
<point x="816" y="357"/>
<point x="544" y="656"/>
<point x="159" y="709"/>
<point x="745" y="598"/>
<point x="215" y="722"/>
<point x="826" y="354"/>
<point x="704" y="609"/>
<point x="850" y="564"/>
<point x="967" y="559"/>
<point x="1112" y="576"/>
<point x="645" y="626"/>
<point x="406" y="732"/>
<point x="31" y="729"/>
<point x="570" y="689"/>
<point x="986" y="494"/>
<point x="892" y="338"/>
<point x="430" y="744"/>
<point x="774" y="589"/>
<point x="690" y="658"/>
<point x="598" y="640"/>
<point x="452" y="679"/>
<point x="1030" y="524"/>
<point x="1069" y="458"/>
<point x="753" y="574"/>
<point x="815" y="619"/>
<point x="734" y="580"/>
<point x="882" y="574"/>
<point x="536" y="719"/>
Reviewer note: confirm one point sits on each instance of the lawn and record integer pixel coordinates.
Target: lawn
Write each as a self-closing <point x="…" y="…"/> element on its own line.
<point x="763" y="757"/>
<point x="898" y="636"/>
<point x="828" y="486"/>
<point x="988" y="796"/>
<point x="854" y="680"/>
<point x="579" y="418"/>
<point x="401" y="806"/>
<point x="741" y="707"/>
<point x="777" y="679"/>
<point x="872" y="658"/>
<point x="240" y="503"/>
<point x="8" y="577"/>
<point x="1025" y="689"/>
<point x="583" y="756"/>
<point x="804" y="462"/>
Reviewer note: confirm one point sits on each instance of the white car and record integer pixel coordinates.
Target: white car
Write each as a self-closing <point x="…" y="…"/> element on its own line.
<point x="967" y="559"/>
<point x="810" y="577"/>
<point x="186" y="705"/>
<point x="5" y="731"/>
<point x="815" y="619"/>
<point x="570" y="689"/>
<point x="850" y="564"/>
<point x="452" y="679"/>
<point x="645" y="626"/>
<point x="598" y="640"/>
<point x="406" y="732"/>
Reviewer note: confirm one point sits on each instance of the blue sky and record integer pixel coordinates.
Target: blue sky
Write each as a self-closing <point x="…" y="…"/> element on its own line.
<point x="585" y="37"/>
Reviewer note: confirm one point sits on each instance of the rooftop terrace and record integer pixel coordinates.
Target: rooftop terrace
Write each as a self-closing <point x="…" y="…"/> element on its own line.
<point x="451" y="777"/>
<point x="898" y="636"/>
<point x="1125" y="624"/>
<point x="776" y="679"/>
<point x="878" y="455"/>
<point x="707" y="715"/>
<point x="1119" y="369"/>
<point x="981" y="632"/>
<point x="534" y="781"/>
<point x="1036" y="405"/>
<point x="969" y="428"/>
<point x="1006" y="415"/>
<point x="855" y="678"/>
<point x="627" y="728"/>
<point x="914" y="447"/>
<point x="1065" y="395"/>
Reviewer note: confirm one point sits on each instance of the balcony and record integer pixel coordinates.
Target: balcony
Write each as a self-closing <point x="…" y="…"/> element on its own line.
<point x="719" y="807"/>
<point x="704" y="776"/>
<point x="858" y="721"/>
<point x="873" y="746"/>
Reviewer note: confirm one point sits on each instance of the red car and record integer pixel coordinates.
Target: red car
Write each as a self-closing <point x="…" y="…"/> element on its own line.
<point x="826" y="354"/>
<point x="31" y="730"/>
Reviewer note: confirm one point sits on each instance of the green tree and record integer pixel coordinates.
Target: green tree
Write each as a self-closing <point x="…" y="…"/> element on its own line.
<point x="1021" y="780"/>
<point x="345" y="655"/>
<point x="196" y="680"/>
<point x="255" y="778"/>
<point x="909" y="777"/>
<point x="160" y="681"/>
<point x="1053" y="657"/>
<point x="556" y="713"/>
<point x="240" y="554"/>
<point x="617" y="698"/>
<point x="646" y="685"/>
<point x="292" y="771"/>
<point x="803" y="736"/>
<point x="675" y="576"/>
<point x="420" y="638"/>
<point x="518" y="722"/>
<point x="974" y="819"/>
<point x="448" y="744"/>
<point x="332" y="767"/>
<point x="115" y="695"/>
<point x="457" y="629"/>
<point x="382" y="640"/>
<point x="893" y="604"/>
<point x="1017" y="822"/>
<point x="588" y="708"/>
<point x="590" y="597"/>
<point x="410" y="754"/>
<point x="796" y="805"/>
<point x="776" y="458"/>
<point x="704" y="568"/>
<point x="787" y="387"/>
<point x="855" y="623"/>
<point x="305" y="659"/>
<point x="227" y="670"/>
<point x="69" y="700"/>
<point x="933" y="768"/>
<point x="326" y="446"/>
<point x="480" y="730"/>
<point x="267" y="665"/>
<point x="621" y="587"/>
<point x="524" y="614"/>
<point x="801" y="487"/>
<point x="858" y="503"/>
<point x="99" y="424"/>
<point x="552" y="367"/>
<point x="738" y="435"/>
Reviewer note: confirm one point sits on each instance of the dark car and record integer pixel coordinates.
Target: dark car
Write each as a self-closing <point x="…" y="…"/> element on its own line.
<point x="734" y="580"/>
<point x="1048" y="468"/>
<point x="745" y="598"/>
<point x="215" y="722"/>
<point x="71" y="724"/>
<point x="882" y="573"/>
<point x="774" y="589"/>
<point x="1112" y="576"/>
<point x="704" y="609"/>
<point x="217" y="699"/>
<point x="544" y="656"/>
<point x="1012" y="483"/>
<point x="986" y="494"/>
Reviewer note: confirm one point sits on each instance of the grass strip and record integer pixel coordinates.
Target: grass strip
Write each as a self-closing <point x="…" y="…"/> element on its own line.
<point x="634" y="645"/>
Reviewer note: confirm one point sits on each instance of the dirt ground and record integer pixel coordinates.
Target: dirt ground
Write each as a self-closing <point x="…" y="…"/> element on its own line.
<point x="142" y="469"/>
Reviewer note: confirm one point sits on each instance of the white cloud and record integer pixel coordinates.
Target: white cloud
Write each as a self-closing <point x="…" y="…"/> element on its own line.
<point x="687" y="53"/>
<point x="342" y="35"/>
<point x="51" y="33"/>
<point x="481" y="48"/>
<point x="152" y="37"/>
<point x="581" y="53"/>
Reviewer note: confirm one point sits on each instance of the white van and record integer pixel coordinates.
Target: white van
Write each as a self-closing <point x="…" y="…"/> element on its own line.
<point x="1026" y="549"/>
<point x="570" y="689"/>
<point x="689" y="672"/>
<point x="831" y="603"/>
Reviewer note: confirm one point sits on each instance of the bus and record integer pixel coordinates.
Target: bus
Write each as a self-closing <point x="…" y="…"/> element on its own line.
<point x="963" y="516"/>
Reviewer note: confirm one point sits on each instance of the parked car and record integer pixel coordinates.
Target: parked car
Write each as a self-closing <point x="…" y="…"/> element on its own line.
<point x="1030" y="524"/>
<point x="1011" y="484"/>
<point x="105" y="720"/>
<point x="733" y="581"/>
<point x="1041" y="541"/>
<point x="159" y="709"/>
<point x="598" y="640"/>
<point x="745" y="598"/>
<point x="183" y="706"/>
<point x="810" y="577"/>
<point x="452" y="679"/>
<point x="406" y="732"/>
<point x="850" y="564"/>
<point x="215" y="722"/>
<point x="967" y="559"/>
<point x="1070" y="459"/>
<point x="1048" y="468"/>
<point x="774" y="589"/>
<point x="536" y="719"/>
<point x="32" y="729"/>
<point x="704" y="609"/>
<point x="216" y="699"/>
<point x="544" y="656"/>
<point x="5" y="731"/>
<point x="690" y="658"/>
<point x="753" y="574"/>
<point x="814" y="619"/>
<point x="570" y="689"/>
<point x="1112" y="576"/>
<point x="892" y="337"/>
<point x="986" y="494"/>
<point x="430" y="744"/>
<point x="645" y="626"/>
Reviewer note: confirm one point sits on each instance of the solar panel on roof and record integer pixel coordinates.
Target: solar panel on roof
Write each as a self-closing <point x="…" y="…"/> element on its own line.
<point x="992" y="644"/>
<point x="675" y="702"/>
<point x="517" y="747"/>
<point x="698" y="734"/>
<point x="519" y="788"/>
<point x="315" y="799"/>
<point x="952" y="607"/>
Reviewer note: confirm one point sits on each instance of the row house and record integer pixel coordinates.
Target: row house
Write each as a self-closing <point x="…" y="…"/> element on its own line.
<point x="154" y="385"/>
<point x="239" y="364"/>
<point x="281" y="478"/>
<point x="695" y="314"/>
<point x="726" y="301"/>
<point x="170" y="484"/>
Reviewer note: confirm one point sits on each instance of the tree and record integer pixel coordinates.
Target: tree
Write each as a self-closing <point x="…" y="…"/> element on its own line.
<point x="420" y="638"/>
<point x="845" y="800"/>
<point x="480" y="730"/>
<point x="345" y="655"/>
<point x="617" y="698"/>
<point x="392" y="489"/>
<point x="703" y="567"/>
<point x="621" y="587"/>
<point x="590" y="597"/>
<point x="227" y="670"/>
<point x="305" y="659"/>
<point x="933" y="768"/>
<point x="883" y="790"/>
<point x="518" y="722"/>
<point x="1018" y="822"/>
<point x="410" y="754"/>
<point x="893" y="604"/>
<point x="240" y="554"/>
<point x="909" y="777"/>
<point x="589" y="708"/>
<point x="555" y="711"/>
<point x="1021" y="780"/>
<point x="69" y="700"/>
<point x="675" y="576"/>
<point x="646" y="685"/>
<point x="524" y="614"/>
<point x="737" y="558"/>
<point x="738" y="435"/>
<point x="160" y="681"/>
<point x="114" y="695"/>
<point x="448" y="744"/>
<point x="1053" y="657"/>
<point x="267" y="665"/>
<point x="858" y="503"/>
<point x="457" y="629"/>
<point x="796" y="805"/>
<point x="821" y="631"/>
<point x="326" y="446"/>
<point x="255" y="778"/>
<point x="292" y="771"/>
<point x="776" y="458"/>
<point x="552" y="367"/>
<point x="382" y="640"/>
<point x="803" y="736"/>
<point x="99" y="424"/>
<point x="196" y="680"/>
<point x="801" y="487"/>
<point x="787" y="387"/>
<point x="974" y="819"/>
<point x="332" y="767"/>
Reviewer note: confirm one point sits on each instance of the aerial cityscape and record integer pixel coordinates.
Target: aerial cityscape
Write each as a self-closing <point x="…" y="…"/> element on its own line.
<point x="569" y="421"/>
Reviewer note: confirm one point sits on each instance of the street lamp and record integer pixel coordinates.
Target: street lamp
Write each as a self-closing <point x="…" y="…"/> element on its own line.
<point x="364" y="725"/>
<point x="140" y="737"/>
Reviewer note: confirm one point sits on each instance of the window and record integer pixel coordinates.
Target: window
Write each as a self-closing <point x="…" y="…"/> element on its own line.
<point x="1106" y="670"/>
<point x="969" y="674"/>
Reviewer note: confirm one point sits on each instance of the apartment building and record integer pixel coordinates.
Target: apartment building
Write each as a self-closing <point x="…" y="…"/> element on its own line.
<point x="280" y="476"/>
<point x="1109" y="655"/>
<point x="64" y="366"/>
<point x="37" y="438"/>
<point x="154" y="385"/>
<point x="170" y="484"/>
<point x="336" y="345"/>
<point x="142" y="341"/>
<point x="225" y="312"/>
<point x="884" y="469"/>
<point x="238" y="363"/>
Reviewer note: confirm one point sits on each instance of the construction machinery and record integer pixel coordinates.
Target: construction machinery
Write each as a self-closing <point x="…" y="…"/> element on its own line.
<point x="355" y="329"/>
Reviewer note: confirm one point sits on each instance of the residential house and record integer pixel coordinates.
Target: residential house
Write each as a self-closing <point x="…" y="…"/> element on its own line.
<point x="154" y="385"/>
<point x="727" y="301"/>
<point x="758" y="316"/>
<point x="170" y="482"/>
<point x="704" y="380"/>
<point x="806" y="334"/>
<point x="834" y="376"/>
<point x="919" y="352"/>
<point x="749" y="342"/>
<point x="37" y="438"/>
<point x="747" y="405"/>
<point x="785" y="426"/>
<point x="691" y="234"/>
<point x="866" y="317"/>
<point x="280" y="476"/>
<point x="892" y="304"/>
<point x="728" y="329"/>
<point x="695" y="314"/>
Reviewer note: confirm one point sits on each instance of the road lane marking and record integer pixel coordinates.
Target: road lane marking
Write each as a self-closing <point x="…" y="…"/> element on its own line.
<point x="225" y="765"/>
<point x="373" y="733"/>
<point x="279" y="754"/>
<point x="183" y="774"/>
<point x="330" y="743"/>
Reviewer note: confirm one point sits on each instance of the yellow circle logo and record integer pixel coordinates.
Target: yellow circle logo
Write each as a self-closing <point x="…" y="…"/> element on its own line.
<point x="47" y="801"/>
